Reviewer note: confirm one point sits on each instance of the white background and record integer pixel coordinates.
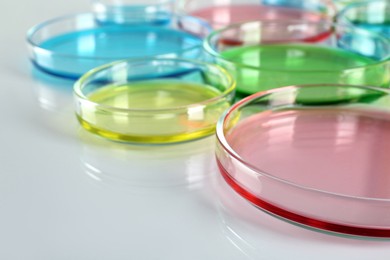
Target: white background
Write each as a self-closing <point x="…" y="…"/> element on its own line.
<point x="65" y="194"/>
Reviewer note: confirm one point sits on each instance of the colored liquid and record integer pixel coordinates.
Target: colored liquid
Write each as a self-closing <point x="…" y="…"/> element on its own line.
<point x="221" y="16"/>
<point x="284" y="65"/>
<point x="170" y="125"/>
<point x="90" y="48"/>
<point x="341" y="4"/>
<point x="370" y="15"/>
<point x="318" y="5"/>
<point x="331" y="150"/>
<point x="383" y="28"/>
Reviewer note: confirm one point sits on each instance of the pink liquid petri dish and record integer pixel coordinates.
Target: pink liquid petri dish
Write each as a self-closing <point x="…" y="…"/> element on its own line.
<point x="313" y="155"/>
<point x="223" y="13"/>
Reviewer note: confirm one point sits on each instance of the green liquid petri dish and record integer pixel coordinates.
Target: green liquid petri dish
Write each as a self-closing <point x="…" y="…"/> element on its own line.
<point x="153" y="101"/>
<point x="269" y="54"/>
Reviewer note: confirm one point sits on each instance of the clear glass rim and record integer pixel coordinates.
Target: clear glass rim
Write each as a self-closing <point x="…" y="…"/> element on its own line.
<point x="342" y="14"/>
<point x="332" y="26"/>
<point x="35" y="29"/>
<point x="331" y="10"/>
<point x="220" y="135"/>
<point x="78" y="86"/>
<point x="162" y="2"/>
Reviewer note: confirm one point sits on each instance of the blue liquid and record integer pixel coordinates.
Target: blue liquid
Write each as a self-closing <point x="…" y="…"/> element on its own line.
<point x="78" y="52"/>
<point x="379" y="28"/>
<point x="373" y="15"/>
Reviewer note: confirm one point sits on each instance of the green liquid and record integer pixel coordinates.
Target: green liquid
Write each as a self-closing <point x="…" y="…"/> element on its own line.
<point x="266" y="67"/>
<point x="174" y="111"/>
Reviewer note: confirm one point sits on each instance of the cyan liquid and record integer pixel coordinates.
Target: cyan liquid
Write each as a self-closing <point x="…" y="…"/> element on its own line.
<point x="370" y="15"/>
<point x="171" y="125"/>
<point x="100" y="45"/>
<point x="383" y="28"/>
<point x="265" y="67"/>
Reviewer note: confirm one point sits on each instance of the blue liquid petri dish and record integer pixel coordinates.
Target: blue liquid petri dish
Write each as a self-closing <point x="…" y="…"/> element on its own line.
<point x="373" y="15"/>
<point x="70" y="46"/>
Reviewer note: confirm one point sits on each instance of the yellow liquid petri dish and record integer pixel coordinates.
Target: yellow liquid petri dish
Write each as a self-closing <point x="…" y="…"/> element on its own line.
<point x="168" y="102"/>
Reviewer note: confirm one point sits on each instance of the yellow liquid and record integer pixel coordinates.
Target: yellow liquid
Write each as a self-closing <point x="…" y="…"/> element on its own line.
<point x="175" y="111"/>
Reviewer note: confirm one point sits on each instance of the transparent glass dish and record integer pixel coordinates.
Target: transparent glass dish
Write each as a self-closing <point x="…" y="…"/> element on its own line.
<point x="270" y="54"/>
<point x="313" y="155"/>
<point x="70" y="46"/>
<point x="153" y="101"/>
<point x="373" y="15"/>
<point x="341" y="4"/>
<point x="223" y="13"/>
<point x="133" y="12"/>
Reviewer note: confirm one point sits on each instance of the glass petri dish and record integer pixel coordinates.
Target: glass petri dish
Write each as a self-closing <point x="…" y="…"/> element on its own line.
<point x="269" y="54"/>
<point x="153" y="101"/>
<point x="373" y="15"/>
<point x="341" y="4"/>
<point x="223" y="13"/>
<point x="314" y="155"/>
<point x="70" y="46"/>
<point x="157" y="12"/>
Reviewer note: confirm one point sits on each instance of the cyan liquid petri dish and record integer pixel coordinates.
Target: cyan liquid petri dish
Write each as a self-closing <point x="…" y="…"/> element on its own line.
<point x="223" y="13"/>
<point x="314" y="155"/>
<point x="373" y="15"/>
<point x="153" y="101"/>
<point x="133" y="12"/>
<point x="70" y="46"/>
<point x="341" y="4"/>
<point x="270" y="54"/>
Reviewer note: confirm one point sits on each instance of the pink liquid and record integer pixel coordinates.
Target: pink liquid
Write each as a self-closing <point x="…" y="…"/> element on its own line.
<point x="335" y="163"/>
<point x="223" y="15"/>
<point x="331" y="150"/>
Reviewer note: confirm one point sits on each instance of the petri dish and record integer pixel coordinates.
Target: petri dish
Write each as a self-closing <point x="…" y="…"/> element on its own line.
<point x="70" y="46"/>
<point x="341" y="4"/>
<point x="371" y="15"/>
<point x="133" y="12"/>
<point x="153" y="101"/>
<point x="269" y="54"/>
<point x="314" y="155"/>
<point x="223" y="13"/>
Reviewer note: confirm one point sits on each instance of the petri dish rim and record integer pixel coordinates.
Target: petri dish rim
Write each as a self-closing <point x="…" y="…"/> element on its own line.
<point x="342" y="14"/>
<point x="331" y="7"/>
<point x="36" y="28"/>
<point x="161" y="2"/>
<point x="77" y="89"/>
<point x="220" y="135"/>
<point x="211" y="50"/>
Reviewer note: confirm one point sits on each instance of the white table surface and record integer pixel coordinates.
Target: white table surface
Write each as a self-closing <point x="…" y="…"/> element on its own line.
<point x="65" y="194"/>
